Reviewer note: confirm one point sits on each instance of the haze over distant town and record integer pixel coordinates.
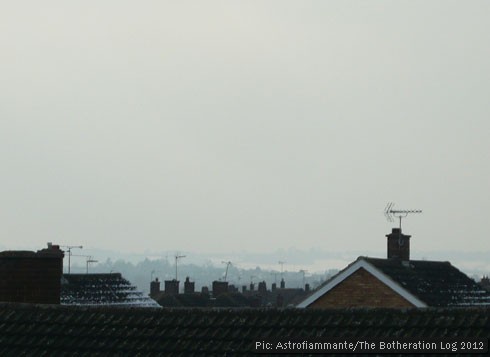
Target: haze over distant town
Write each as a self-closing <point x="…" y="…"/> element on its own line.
<point x="246" y="131"/>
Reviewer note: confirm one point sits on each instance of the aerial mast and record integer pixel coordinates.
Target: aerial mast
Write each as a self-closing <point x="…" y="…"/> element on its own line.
<point x="89" y="261"/>
<point x="68" y="249"/>
<point x="177" y="257"/>
<point x="281" y="263"/>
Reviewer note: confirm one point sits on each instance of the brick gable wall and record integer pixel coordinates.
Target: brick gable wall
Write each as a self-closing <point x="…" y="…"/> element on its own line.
<point x="361" y="289"/>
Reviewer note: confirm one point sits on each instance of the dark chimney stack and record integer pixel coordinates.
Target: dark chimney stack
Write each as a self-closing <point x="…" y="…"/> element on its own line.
<point x="172" y="287"/>
<point x="398" y="245"/>
<point x="154" y="287"/>
<point x="31" y="277"/>
<point x="189" y="287"/>
<point x="262" y="288"/>
<point x="220" y="288"/>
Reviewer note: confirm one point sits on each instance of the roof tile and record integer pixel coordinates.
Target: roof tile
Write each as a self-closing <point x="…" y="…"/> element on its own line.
<point x="83" y="330"/>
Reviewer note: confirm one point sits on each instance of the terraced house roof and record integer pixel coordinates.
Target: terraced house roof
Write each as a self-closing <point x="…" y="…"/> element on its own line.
<point x="43" y="330"/>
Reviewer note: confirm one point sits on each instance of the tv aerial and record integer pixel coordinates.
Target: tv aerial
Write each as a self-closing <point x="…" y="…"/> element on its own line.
<point x="177" y="257"/>
<point x="391" y="213"/>
<point x="281" y="263"/>
<point x="68" y="249"/>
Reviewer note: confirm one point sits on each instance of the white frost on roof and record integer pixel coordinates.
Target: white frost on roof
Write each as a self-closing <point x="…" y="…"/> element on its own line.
<point x="102" y="290"/>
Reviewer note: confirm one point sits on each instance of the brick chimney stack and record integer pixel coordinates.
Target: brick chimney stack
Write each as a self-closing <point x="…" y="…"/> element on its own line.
<point x="283" y="283"/>
<point x="154" y="288"/>
<point x="31" y="277"/>
<point x="398" y="245"/>
<point x="262" y="288"/>
<point x="172" y="287"/>
<point x="220" y="288"/>
<point x="189" y="286"/>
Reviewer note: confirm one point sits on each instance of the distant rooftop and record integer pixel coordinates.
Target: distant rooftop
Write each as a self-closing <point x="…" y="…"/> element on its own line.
<point x="102" y="289"/>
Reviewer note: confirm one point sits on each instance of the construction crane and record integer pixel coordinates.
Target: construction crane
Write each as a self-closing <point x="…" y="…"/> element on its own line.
<point x="227" y="266"/>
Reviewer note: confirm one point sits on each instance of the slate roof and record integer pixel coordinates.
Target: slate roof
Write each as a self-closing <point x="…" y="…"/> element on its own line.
<point x="203" y="300"/>
<point x="438" y="284"/>
<point x="423" y="283"/>
<point x="101" y="289"/>
<point x="232" y="299"/>
<point x="43" y="330"/>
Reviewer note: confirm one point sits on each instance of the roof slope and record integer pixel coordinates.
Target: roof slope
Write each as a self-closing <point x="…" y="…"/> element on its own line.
<point x="47" y="330"/>
<point x="423" y="283"/>
<point x="360" y="263"/>
<point x="438" y="284"/>
<point x="101" y="289"/>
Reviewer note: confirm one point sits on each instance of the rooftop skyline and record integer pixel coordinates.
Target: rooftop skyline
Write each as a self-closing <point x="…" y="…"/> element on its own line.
<point x="244" y="126"/>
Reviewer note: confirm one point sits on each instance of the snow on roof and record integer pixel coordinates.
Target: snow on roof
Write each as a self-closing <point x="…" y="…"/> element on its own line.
<point x="102" y="289"/>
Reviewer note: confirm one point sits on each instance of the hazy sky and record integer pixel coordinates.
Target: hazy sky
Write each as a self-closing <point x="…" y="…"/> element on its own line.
<point x="228" y="126"/>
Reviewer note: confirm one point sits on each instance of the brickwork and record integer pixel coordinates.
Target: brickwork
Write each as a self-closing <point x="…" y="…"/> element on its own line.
<point x="31" y="277"/>
<point x="172" y="287"/>
<point x="154" y="288"/>
<point x="398" y="245"/>
<point x="219" y="288"/>
<point x="361" y="289"/>
<point x="189" y="286"/>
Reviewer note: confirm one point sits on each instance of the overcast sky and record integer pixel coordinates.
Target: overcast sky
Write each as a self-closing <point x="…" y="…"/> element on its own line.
<point x="231" y="126"/>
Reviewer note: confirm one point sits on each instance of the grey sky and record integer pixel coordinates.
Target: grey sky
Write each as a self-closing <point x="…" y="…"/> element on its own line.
<point x="244" y="125"/>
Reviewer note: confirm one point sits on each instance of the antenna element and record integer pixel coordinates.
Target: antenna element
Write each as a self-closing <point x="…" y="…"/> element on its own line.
<point x="68" y="249"/>
<point x="391" y="214"/>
